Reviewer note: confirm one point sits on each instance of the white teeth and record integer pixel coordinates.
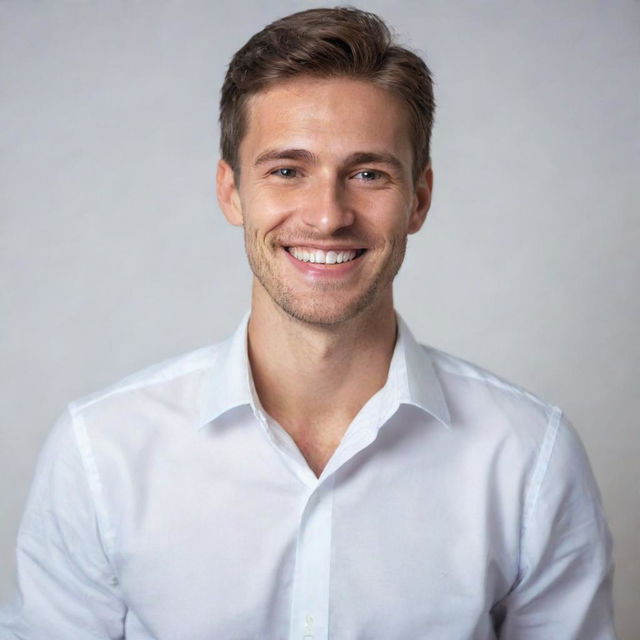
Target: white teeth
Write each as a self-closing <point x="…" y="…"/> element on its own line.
<point x="319" y="256"/>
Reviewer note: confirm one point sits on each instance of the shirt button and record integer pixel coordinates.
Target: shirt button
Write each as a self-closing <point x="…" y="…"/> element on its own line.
<point x="308" y="627"/>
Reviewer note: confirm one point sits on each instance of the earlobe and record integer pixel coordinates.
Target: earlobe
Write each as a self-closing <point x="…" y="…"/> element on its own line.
<point x="227" y="192"/>
<point x="422" y="200"/>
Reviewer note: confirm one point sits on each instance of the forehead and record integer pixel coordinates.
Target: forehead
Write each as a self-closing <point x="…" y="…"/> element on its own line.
<point x="337" y="115"/>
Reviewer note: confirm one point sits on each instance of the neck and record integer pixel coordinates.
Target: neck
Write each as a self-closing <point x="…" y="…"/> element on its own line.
<point x="315" y="378"/>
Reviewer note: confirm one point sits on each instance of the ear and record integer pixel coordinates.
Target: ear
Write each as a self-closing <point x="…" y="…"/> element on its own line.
<point x="421" y="200"/>
<point x="228" y="196"/>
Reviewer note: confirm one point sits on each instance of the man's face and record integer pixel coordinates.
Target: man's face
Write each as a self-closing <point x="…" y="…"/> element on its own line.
<point x="326" y="196"/>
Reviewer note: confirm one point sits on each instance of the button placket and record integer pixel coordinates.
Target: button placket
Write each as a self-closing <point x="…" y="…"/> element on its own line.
<point x="310" y="601"/>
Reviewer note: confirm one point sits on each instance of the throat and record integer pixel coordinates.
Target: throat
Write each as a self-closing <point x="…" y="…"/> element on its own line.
<point x="316" y="443"/>
<point x="313" y="382"/>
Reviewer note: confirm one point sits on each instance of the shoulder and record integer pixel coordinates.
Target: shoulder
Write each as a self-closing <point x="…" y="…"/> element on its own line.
<point x="173" y="385"/>
<point x="490" y="412"/>
<point x="529" y="432"/>
<point x="520" y="431"/>
<point x="470" y="388"/>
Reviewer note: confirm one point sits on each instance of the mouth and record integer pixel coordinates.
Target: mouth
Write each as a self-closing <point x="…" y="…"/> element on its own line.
<point x="320" y="256"/>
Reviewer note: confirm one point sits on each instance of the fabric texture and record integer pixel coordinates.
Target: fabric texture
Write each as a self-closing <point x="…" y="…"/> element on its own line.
<point x="171" y="506"/>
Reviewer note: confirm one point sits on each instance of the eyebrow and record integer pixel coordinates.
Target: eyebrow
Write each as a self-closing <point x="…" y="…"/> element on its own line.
<point x="359" y="157"/>
<point x="285" y="154"/>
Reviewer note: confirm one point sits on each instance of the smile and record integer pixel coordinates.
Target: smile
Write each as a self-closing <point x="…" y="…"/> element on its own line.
<point x="318" y="256"/>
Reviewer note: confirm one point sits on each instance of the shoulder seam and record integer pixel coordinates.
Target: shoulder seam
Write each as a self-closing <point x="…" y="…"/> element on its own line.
<point x="537" y="478"/>
<point x="95" y="484"/>
<point x="490" y="378"/>
<point x="79" y="405"/>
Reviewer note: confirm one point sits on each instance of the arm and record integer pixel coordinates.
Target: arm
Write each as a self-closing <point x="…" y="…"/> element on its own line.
<point x="565" y="578"/>
<point x="66" y="587"/>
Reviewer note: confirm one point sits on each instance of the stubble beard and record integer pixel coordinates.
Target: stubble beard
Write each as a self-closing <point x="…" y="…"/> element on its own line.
<point x="314" y="308"/>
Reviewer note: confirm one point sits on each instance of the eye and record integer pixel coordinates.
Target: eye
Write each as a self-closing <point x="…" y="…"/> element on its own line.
<point x="368" y="175"/>
<point x="285" y="172"/>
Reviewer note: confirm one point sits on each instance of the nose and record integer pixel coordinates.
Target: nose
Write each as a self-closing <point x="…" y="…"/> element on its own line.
<point x="328" y="209"/>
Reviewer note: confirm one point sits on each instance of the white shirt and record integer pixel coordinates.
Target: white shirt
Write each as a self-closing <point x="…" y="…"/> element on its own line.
<point x="170" y="506"/>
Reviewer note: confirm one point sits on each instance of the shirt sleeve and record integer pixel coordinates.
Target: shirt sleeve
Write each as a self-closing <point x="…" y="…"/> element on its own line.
<point x="565" y="579"/>
<point x="66" y="587"/>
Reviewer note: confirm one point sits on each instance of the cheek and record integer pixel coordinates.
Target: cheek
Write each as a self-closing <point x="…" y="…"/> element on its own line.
<point x="384" y="217"/>
<point x="266" y="210"/>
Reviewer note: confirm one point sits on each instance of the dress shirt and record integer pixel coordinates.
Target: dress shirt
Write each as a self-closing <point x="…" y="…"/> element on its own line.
<point x="170" y="506"/>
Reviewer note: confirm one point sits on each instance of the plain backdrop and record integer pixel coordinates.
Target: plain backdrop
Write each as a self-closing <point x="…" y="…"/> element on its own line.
<point x="114" y="255"/>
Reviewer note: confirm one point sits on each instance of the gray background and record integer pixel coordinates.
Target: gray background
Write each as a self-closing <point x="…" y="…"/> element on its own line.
<point x="114" y="255"/>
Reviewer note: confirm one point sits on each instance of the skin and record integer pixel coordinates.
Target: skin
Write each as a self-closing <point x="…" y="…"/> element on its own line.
<point x="324" y="164"/>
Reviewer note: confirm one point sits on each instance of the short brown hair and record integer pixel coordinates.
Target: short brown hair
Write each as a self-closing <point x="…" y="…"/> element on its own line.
<point x="327" y="43"/>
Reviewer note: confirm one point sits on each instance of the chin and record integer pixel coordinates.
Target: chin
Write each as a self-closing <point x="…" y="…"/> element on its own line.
<point x="317" y="318"/>
<point x="327" y="305"/>
<point x="320" y="313"/>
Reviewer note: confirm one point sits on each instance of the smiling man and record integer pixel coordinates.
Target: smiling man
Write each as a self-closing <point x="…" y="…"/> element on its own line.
<point x="323" y="183"/>
<point x="319" y="474"/>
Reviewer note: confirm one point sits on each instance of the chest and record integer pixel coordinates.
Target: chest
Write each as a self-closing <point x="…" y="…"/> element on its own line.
<point x="228" y="539"/>
<point x="366" y="556"/>
<point x="317" y="448"/>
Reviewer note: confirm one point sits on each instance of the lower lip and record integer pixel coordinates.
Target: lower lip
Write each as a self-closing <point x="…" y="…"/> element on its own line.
<point x="319" y="270"/>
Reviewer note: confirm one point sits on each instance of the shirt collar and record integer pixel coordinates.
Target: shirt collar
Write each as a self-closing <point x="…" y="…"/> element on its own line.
<point x="416" y="377"/>
<point x="411" y="373"/>
<point x="229" y="384"/>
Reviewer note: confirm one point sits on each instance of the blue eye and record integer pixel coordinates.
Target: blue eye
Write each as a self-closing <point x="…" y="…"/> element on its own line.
<point x="368" y="175"/>
<point x="285" y="172"/>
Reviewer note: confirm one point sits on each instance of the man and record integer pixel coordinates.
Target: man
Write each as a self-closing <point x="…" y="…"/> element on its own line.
<point x="319" y="474"/>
